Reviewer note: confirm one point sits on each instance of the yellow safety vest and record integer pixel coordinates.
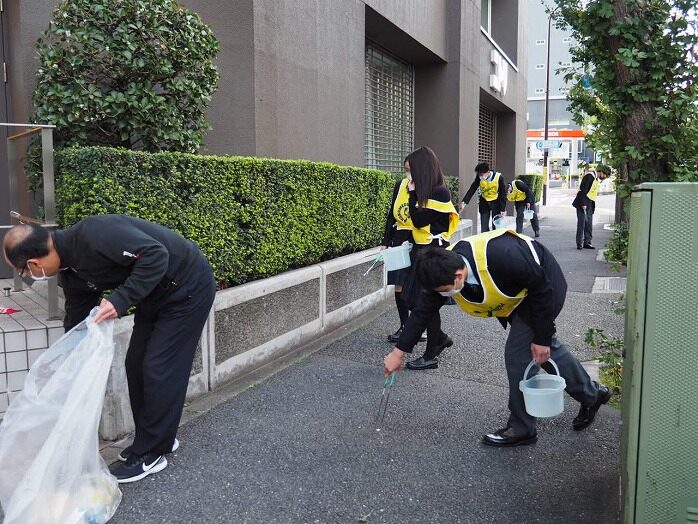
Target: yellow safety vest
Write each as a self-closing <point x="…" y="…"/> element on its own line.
<point x="594" y="189"/>
<point x="515" y="195"/>
<point x="401" y="207"/>
<point x="422" y="235"/>
<point x="490" y="190"/>
<point x="494" y="302"/>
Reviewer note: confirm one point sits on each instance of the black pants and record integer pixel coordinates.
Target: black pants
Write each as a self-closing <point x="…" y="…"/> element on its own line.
<point x="487" y="211"/>
<point x="166" y="333"/>
<point x="585" y="221"/>
<point x="520" y="208"/>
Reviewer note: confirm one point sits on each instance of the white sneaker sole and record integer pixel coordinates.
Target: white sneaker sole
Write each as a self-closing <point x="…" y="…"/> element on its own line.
<point x="162" y="464"/>
<point x="175" y="447"/>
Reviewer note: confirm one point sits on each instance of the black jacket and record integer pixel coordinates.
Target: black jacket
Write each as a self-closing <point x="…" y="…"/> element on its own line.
<point x="512" y="267"/>
<point x="135" y="258"/>
<point x="582" y="199"/>
<point x="496" y="206"/>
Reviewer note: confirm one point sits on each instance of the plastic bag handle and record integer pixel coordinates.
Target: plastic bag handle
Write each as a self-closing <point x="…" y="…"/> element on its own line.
<point x="533" y="362"/>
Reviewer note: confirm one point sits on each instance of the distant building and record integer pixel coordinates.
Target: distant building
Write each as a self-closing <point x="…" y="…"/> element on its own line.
<point x="561" y="126"/>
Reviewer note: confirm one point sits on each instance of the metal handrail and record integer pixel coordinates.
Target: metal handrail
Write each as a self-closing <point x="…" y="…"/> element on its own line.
<point x="49" y="191"/>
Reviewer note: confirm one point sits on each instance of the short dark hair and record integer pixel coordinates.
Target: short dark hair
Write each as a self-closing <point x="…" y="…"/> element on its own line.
<point x="436" y="266"/>
<point x="482" y="167"/>
<point x="32" y="243"/>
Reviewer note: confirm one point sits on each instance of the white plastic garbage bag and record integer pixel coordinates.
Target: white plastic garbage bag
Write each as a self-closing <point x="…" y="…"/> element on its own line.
<point x="51" y="471"/>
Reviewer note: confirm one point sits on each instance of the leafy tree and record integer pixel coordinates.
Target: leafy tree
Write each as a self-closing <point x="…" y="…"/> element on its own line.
<point x="129" y="73"/>
<point x="638" y="85"/>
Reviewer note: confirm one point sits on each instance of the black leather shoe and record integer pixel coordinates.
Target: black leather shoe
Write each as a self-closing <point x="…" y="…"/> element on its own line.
<point x="579" y="247"/>
<point x="420" y="364"/>
<point x="504" y="438"/>
<point x="445" y="343"/>
<point x="396" y="336"/>
<point x="588" y="246"/>
<point x="537" y="234"/>
<point x="588" y="413"/>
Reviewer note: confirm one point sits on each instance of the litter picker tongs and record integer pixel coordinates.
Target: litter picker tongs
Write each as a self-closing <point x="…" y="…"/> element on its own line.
<point x="383" y="406"/>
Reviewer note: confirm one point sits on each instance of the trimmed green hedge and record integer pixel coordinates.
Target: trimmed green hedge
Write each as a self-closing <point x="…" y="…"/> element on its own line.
<point x="535" y="183"/>
<point x="253" y="217"/>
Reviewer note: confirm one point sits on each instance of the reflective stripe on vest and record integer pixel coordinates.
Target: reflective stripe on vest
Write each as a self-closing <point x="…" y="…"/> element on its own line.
<point x="594" y="189"/>
<point x="515" y="195"/>
<point x="494" y="302"/>
<point x="422" y="235"/>
<point x="401" y="207"/>
<point x="490" y="190"/>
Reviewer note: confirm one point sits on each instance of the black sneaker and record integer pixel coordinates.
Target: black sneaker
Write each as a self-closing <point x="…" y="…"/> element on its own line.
<point x="126" y="452"/>
<point x="137" y="468"/>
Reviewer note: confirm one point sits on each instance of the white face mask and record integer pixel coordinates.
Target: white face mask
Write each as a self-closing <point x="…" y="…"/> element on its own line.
<point x="483" y="177"/>
<point x="409" y="176"/>
<point x="41" y="278"/>
<point x="454" y="291"/>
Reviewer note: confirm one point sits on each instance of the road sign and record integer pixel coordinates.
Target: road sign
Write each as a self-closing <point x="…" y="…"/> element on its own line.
<point x="549" y="144"/>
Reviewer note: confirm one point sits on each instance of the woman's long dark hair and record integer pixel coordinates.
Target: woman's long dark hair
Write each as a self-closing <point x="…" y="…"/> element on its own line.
<point x="425" y="169"/>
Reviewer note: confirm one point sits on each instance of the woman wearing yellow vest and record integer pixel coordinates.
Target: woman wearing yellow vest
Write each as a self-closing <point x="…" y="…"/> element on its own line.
<point x="519" y="193"/>
<point x="493" y="194"/>
<point x="433" y="220"/>
<point x="585" y="202"/>
<point x="517" y="280"/>
<point x="398" y="230"/>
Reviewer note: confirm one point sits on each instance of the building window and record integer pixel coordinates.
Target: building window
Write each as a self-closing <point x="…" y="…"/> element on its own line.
<point x="539" y="91"/>
<point x="540" y="42"/>
<point x="564" y="90"/>
<point x="540" y="66"/>
<point x="567" y="40"/>
<point x="565" y="64"/>
<point x="389" y="110"/>
<point x="486" y="15"/>
<point x="580" y="146"/>
<point x="487" y="139"/>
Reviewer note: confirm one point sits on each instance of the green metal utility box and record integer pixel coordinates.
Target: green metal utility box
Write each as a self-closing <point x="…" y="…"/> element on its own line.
<point x="660" y="383"/>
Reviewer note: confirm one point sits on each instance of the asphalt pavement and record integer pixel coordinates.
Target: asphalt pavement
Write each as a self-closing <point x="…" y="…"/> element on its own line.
<point x="299" y="444"/>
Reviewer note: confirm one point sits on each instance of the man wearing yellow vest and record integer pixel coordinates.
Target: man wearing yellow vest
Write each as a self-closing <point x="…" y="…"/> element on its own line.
<point x="493" y="194"/>
<point x="517" y="280"/>
<point x="585" y="202"/>
<point x="521" y="195"/>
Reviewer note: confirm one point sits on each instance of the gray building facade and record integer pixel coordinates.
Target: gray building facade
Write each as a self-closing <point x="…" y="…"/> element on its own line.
<point x="346" y="81"/>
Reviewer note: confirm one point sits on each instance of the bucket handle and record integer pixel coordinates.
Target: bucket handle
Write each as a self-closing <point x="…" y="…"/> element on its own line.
<point x="533" y="363"/>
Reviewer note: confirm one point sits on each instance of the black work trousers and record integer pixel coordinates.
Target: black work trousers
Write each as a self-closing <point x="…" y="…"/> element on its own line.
<point x="520" y="208"/>
<point x="166" y="333"/>
<point x="585" y="223"/>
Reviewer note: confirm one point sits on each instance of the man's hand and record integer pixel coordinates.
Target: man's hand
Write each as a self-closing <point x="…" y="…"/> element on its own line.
<point x="106" y="311"/>
<point x="383" y="247"/>
<point x="528" y="206"/>
<point x="540" y="354"/>
<point x="393" y="361"/>
<point x="462" y="207"/>
<point x="584" y="208"/>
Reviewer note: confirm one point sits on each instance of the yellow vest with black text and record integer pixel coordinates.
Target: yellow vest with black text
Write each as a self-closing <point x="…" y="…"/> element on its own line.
<point x="490" y="190"/>
<point x="594" y="190"/>
<point x="516" y="195"/>
<point x="494" y="302"/>
<point x="401" y="207"/>
<point x="422" y="235"/>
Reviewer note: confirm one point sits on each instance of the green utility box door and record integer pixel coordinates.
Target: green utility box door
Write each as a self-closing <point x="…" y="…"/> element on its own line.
<point x="660" y="383"/>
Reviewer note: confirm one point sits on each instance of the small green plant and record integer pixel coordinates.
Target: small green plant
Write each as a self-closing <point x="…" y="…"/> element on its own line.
<point x="611" y="360"/>
<point x="617" y="246"/>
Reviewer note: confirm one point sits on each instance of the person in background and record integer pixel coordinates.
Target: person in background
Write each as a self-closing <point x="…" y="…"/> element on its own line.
<point x="522" y="196"/>
<point x="398" y="230"/>
<point x="135" y="263"/>
<point x="585" y="203"/>
<point x="517" y="280"/>
<point x="493" y="194"/>
<point x="434" y="219"/>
